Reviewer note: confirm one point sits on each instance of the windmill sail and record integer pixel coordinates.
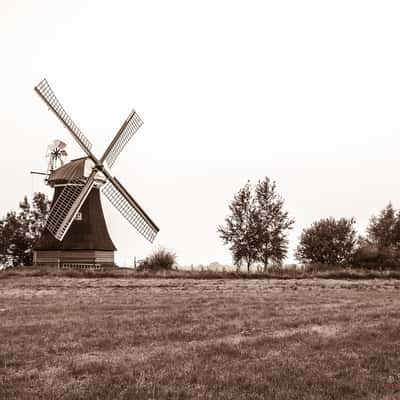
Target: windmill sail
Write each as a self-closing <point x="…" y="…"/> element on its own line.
<point x="130" y="209"/>
<point x="43" y="89"/>
<point x="125" y="133"/>
<point x="68" y="205"/>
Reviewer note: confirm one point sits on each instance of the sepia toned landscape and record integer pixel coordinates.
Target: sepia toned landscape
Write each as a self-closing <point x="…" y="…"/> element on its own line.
<point x="199" y="200"/>
<point x="125" y="338"/>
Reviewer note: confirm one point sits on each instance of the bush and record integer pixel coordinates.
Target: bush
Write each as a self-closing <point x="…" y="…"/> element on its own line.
<point x="160" y="259"/>
<point x="328" y="241"/>
<point x="371" y="256"/>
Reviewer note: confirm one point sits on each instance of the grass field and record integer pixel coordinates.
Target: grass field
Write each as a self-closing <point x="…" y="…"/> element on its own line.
<point x="105" y="338"/>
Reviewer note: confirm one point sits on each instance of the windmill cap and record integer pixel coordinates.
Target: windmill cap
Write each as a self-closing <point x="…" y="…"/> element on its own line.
<point x="75" y="169"/>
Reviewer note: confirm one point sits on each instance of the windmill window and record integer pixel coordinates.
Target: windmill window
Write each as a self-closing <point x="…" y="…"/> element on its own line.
<point x="78" y="217"/>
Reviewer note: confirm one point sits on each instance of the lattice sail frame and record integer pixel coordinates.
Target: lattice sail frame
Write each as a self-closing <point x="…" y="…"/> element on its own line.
<point x="67" y="205"/>
<point x="131" y="212"/>
<point x="45" y="92"/>
<point x="128" y="129"/>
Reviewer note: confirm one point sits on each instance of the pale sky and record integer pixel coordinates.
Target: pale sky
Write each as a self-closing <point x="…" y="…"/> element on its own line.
<point x="305" y="92"/>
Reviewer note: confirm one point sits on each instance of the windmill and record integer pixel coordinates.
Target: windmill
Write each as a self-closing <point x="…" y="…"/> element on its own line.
<point x="55" y="153"/>
<point x="76" y="234"/>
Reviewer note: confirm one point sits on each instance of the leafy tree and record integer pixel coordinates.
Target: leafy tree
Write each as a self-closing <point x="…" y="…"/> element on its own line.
<point x="256" y="228"/>
<point x="272" y="223"/>
<point x="328" y="241"/>
<point x="240" y="229"/>
<point x="39" y="212"/>
<point x="384" y="230"/>
<point x="11" y="239"/>
<point x="381" y="248"/>
<point x="19" y="231"/>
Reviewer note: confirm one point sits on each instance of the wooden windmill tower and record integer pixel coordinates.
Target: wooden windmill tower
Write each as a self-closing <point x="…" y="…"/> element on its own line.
<point x="76" y="234"/>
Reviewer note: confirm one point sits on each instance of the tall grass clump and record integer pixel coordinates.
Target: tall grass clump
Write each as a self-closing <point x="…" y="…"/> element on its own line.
<point x="160" y="259"/>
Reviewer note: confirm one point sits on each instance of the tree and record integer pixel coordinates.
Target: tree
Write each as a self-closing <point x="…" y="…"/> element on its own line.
<point x="384" y="230"/>
<point x="256" y="228"/>
<point x="41" y="208"/>
<point x="240" y="229"/>
<point x="19" y="231"/>
<point x="381" y="248"/>
<point x="272" y="223"/>
<point x="11" y="239"/>
<point x="328" y="241"/>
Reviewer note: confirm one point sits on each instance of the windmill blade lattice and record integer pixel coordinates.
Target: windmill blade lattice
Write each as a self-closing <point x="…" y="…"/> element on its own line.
<point x="68" y="205"/>
<point x="48" y="96"/>
<point x="127" y="130"/>
<point x="130" y="209"/>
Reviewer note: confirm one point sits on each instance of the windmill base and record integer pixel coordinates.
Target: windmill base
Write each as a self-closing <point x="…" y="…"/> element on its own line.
<point x="74" y="258"/>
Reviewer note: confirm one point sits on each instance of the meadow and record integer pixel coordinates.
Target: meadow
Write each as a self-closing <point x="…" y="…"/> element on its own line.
<point x="158" y="338"/>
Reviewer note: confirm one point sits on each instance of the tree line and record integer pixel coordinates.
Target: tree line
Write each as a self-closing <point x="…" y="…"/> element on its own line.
<point x="257" y="226"/>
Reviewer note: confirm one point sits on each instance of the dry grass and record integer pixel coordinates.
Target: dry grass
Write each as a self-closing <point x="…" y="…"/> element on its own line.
<point x="323" y="272"/>
<point x="126" y="338"/>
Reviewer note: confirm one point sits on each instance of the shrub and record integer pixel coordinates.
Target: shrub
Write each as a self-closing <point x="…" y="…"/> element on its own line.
<point x="327" y="241"/>
<point x="371" y="256"/>
<point x="160" y="259"/>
